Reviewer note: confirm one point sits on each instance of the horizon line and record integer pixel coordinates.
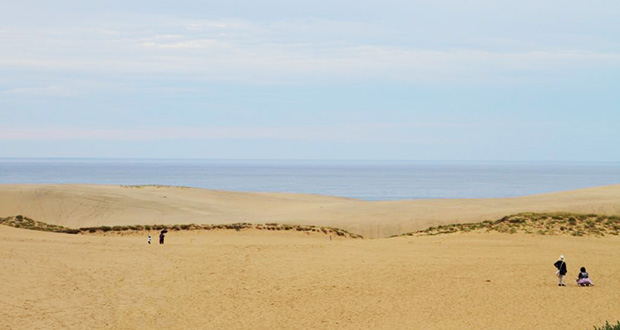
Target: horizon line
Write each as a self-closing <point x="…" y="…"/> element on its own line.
<point x="311" y="159"/>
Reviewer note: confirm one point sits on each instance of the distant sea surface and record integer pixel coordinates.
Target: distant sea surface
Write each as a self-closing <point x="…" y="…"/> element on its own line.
<point x="368" y="180"/>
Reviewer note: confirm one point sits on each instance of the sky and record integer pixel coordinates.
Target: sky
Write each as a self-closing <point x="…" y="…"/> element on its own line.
<point x="474" y="80"/>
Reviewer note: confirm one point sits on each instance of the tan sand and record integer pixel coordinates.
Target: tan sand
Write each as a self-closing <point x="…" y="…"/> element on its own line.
<point x="268" y="280"/>
<point x="95" y="205"/>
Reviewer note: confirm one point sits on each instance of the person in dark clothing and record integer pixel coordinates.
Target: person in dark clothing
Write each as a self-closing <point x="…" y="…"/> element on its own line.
<point x="584" y="278"/>
<point x="583" y="273"/>
<point x="161" y="237"/>
<point x="561" y="272"/>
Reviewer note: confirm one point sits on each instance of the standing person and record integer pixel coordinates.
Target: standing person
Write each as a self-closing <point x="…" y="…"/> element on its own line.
<point x="162" y="234"/>
<point x="148" y="239"/>
<point x="561" y="266"/>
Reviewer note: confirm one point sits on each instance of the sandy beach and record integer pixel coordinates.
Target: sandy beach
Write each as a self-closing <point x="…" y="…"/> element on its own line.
<point x="96" y="205"/>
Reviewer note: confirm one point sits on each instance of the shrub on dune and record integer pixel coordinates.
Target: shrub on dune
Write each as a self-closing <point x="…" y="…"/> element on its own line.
<point x="608" y="326"/>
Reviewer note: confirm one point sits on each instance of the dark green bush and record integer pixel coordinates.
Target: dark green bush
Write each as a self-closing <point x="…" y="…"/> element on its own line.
<point x="71" y="231"/>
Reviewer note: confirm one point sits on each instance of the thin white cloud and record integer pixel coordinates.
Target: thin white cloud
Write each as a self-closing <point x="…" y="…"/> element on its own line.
<point x="53" y="91"/>
<point x="187" y="44"/>
<point x="344" y="132"/>
<point x="209" y="25"/>
<point x="276" y="63"/>
<point x="281" y="52"/>
<point x="408" y="132"/>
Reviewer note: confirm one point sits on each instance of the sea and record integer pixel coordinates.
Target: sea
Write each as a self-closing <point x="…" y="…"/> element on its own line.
<point x="360" y="179"/>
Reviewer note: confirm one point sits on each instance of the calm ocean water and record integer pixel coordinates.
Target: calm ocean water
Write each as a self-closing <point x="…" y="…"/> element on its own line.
<point x="369" y="180"/>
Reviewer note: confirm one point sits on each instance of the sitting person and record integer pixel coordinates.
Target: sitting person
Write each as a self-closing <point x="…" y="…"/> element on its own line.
<point x="583" y="279"/>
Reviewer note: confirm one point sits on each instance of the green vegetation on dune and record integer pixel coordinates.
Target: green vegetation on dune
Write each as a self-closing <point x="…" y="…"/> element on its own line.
<point x="608" y="326"/>
<point x="559" y="223"/>
<point x="27" y="223"/>
<point x="20" y="221"/>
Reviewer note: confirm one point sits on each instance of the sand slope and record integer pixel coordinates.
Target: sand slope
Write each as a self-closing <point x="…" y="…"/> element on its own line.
<point x="95" y="205"/>
<point x="260" y="280"/>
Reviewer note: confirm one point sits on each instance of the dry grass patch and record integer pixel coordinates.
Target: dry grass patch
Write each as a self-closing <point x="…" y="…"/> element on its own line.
<point x="27" y="223"/>
<point x="559" y="223"/>
<point x="20" y="221"/>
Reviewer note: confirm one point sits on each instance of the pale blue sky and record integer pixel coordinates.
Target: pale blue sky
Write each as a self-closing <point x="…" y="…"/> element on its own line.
<point x="427" y="80"/>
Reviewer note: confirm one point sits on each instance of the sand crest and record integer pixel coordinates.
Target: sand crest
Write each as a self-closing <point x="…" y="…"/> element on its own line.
<point x="96" y="205"/>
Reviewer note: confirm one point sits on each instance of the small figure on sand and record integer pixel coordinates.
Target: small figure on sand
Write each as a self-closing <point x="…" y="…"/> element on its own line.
<point x="584" y="279"/>
<point x="561" y="272"/>
<point x="148" y="239"/>
<point x="162" y="234"/>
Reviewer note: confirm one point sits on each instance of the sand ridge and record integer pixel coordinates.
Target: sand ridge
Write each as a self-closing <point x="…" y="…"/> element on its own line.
<point x="77" y="206"/>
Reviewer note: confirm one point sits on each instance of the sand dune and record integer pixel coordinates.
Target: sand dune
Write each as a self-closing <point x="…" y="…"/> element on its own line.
<point x="95" y="205"/>
<point x="273" y="280"/>
<point x="267" y="280"/>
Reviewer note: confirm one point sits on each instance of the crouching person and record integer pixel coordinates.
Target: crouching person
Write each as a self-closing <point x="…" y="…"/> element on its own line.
<point x="584" y="279"/>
